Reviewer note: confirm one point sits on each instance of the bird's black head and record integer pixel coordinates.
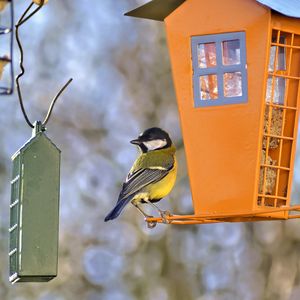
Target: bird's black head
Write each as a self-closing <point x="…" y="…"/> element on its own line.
<point x="153" y="139"/>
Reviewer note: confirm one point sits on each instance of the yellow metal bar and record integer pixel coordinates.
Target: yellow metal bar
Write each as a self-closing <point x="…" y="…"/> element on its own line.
<point x="273" y="197"/>
<point x="291" y="54"/>
<point x="282" y="106"/>
<point x="286" y="91"/>
<point x="283" y="75"/>
<point x="292" y="153"/>
<point x="270" y="112"/>
<point x="285" y="46"/>
<point x="275" y="167"/>
<point x="279" y="137"/>
<point x="279" y="29"/>
<point x="283" y="121"/>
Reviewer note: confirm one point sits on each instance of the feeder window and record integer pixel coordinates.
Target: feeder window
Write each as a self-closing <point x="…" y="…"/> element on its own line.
<point x="231" y="52"/>
<point x="219" y="69"/>
<point x="207" y="55"/>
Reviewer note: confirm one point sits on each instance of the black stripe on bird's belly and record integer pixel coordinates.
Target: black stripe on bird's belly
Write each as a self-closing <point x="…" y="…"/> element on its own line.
<point x="151" y="200"/>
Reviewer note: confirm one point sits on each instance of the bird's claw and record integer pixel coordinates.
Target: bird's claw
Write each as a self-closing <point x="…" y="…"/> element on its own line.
<point x="164" y="215"/>
<point x="150" y="224"/>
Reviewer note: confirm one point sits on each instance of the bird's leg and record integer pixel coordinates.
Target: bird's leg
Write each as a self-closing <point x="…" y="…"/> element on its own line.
<point x="141" y="211"/>
<point x="150" y="224"/>
<point x="163" y="213"/>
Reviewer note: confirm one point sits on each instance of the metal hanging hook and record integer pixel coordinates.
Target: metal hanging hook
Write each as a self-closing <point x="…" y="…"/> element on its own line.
<point x="24" y="18"/>
<point x="54" y="100"/>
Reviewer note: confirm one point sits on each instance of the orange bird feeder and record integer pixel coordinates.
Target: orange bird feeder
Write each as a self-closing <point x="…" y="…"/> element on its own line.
<point x="236" y="70"/>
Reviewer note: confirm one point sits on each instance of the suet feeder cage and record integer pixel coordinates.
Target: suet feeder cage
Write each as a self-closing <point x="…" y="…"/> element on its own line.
<point x="5" y="58"/>
<point x="236" y="71"/>
<point x="34" y="210"/>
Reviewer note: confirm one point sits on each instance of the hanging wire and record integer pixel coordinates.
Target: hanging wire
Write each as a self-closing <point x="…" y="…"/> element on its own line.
<point x="54" y="100"/>
<point x="24" y="18"/>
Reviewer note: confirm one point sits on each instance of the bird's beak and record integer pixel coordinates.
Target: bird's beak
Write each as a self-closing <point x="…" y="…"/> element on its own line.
<point x="136" y="142"/>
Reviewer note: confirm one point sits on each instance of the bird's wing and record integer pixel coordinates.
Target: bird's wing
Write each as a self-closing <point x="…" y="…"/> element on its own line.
<point x="141" y="178"/>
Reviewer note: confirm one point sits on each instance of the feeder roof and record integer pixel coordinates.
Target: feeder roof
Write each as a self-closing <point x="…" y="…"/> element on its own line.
<point x="38" y="138"/>
<point x="155" y="10"/>
<point x="289" y="8"/>
<point x="159" y="9"/>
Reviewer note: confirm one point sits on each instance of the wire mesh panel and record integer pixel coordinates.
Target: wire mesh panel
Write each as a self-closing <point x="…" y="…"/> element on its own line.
<point x="280" y="115"/>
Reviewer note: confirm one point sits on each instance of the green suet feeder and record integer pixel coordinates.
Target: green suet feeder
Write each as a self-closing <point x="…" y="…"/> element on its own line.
<point x="34" y="210"/>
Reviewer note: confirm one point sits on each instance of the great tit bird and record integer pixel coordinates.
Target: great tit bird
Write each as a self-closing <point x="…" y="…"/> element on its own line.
<point x="152" y="175"/>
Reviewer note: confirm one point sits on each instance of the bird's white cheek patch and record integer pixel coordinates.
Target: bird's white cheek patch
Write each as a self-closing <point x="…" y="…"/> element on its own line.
<point x="155" y="144"/>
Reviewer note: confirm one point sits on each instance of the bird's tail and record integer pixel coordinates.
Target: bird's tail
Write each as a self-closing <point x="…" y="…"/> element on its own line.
<point x="117" y="209"/>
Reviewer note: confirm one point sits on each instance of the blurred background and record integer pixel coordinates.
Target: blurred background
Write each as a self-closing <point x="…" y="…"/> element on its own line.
<point x="122" y="85"/>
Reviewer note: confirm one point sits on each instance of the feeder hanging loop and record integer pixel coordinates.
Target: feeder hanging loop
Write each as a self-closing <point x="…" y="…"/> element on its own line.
<point x="21" y="21"/>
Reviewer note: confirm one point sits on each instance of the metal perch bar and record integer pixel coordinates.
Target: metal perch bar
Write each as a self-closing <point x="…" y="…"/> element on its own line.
<point x="234" y="217"/>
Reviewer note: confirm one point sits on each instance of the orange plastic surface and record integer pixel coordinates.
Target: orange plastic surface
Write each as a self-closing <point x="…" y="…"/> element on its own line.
<point x="222" y="143"/>
<point x="284" y="67"/>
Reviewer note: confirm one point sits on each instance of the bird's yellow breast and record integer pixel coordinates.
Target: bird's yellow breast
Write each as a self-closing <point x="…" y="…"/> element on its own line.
<point x="162" y="188"/>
